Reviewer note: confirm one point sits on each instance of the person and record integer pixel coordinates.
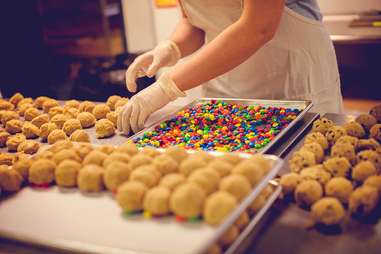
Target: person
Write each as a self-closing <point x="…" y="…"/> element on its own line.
<point x="259" y="49"/>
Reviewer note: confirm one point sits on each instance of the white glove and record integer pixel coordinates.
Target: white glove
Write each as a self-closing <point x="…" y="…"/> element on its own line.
<point x="134" y="114"/>
<point x="166" y="53"/>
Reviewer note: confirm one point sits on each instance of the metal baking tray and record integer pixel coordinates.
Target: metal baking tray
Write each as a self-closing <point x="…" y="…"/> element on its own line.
<point x="303" y="105"/>
<point x="93" y="223"/>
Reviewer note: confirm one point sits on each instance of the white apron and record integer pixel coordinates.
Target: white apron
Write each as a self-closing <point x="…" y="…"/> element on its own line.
<point x="298" y="63"/>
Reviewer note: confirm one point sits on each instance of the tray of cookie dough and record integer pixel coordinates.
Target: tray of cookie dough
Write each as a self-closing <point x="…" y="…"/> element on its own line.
<point x="224" y="124"/>
<point x="106" y="199"/>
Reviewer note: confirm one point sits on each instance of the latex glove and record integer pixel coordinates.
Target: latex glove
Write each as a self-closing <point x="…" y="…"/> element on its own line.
<point x="165" y="54"/>
<point x="134" y="114"/>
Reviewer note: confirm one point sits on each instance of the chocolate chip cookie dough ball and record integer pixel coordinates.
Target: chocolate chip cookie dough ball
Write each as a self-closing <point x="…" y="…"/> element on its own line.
<point x="71" y="125"/>
<point x="59" y="120"/>
<point x="13" y="142"/>
<point x="10" y="179"/>
<point x="171" y="181"/>
<point x="14" y="126"/>
<point x="116" y="156"/>
<point x="100" y="111"/>
<point x="221" y="167"/>
<point x="353" y="141"/>
<point x="7" y="116"/>
<point x="3" y="138"/>
<point x="369" y="155"/>
<point x="150" y="151"/>
<point x="206" y="178"/>
<point x="48" y="104"/>
<point x="376" y="112"/>
<point x="66" y="173"/>
<point x="90" y="178"/>
<point x="328" y="211"/>
<point x="187" y="200"/>
<point x="6" y="105"/>
<point x="31" y="113"/>
<point x="375" y="182"/>
<point x="72" y="104"/>
<point x="46" y="129"/>
<point x="301" y="159"/>
<point x="190" y="164"/>
<point x="229" y="236"/>
<point x="56" y="135"/>
<point x="42" y="172"/>
<point x="237" y="185"/>
<point x="253" y="172"/>
<point x="39" y="101"/>
<point x="116" y="173"/>
<point x="104" y="128"/>
<point x="340" y="188"/>
<point x="308" y="192"/>
<point x="156" y="201"/>
<point x="337" y="166"/>
<point x="289" y="182"/>
<point x="21" y="109"/>
<point x="317" y="173"/>
<point x="375" y="132"/>
<point x="344" y="150"/>
<point x="128" y="147"/>
<point x="94" y="157"/>
<point x="177" y="153"/>
<point x="366" y="121"/>
<point x="112" y="117"/>
<point x="363" y="170"/>
<point x="363" y="200"/>
<point x="140" y="160"/>
<point x="367" y="144"/>
<point x="316" y="149"/>
<point x="65" y="154"/>
<point x="40" y="120"/>
<point x="29" y="147"/>
<point x="334" y="133"/>
<point x="145" y="176"/>
<point x="218" y="206"/>
<point x="87" y="119"/>
<point x="16" y="98"/>
<point x="354" y="129"/>
<point x="7" y="159"/>
<point x="30" y="130"/>
<point x="130" y="196"/>
<point x="112" y="100"/>
<point x="322" y="125"/>
<point x="80" y="136"/>
<point x="55" y="111"/>
<point x="165" y="164"/>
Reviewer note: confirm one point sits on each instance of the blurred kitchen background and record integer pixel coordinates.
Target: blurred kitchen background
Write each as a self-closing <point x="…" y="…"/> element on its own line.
<point x="81" y="48"/>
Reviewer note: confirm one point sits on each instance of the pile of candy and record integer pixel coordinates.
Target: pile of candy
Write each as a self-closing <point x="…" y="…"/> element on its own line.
<point x="219" y="126"/>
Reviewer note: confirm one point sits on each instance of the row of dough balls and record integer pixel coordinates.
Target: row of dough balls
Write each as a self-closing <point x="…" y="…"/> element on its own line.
<point x="337" y="167"/>
<point x="55" y="122"/>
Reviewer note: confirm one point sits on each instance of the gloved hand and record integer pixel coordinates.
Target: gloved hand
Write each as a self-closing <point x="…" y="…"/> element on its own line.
<point x="134" y="114"/>
<point x="165" y="54"/>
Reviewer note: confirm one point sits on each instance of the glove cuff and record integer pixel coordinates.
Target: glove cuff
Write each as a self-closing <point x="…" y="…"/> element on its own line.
<point x="169" y="87"/>
<point x="174" y="49"/>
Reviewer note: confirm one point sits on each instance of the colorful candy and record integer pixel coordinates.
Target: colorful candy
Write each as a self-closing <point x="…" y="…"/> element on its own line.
<point x="220" y="126"/>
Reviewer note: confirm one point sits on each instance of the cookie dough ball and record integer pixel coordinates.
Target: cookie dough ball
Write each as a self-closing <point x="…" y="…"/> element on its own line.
<point x="71" y="125"/>
<point x="116" y="156"/>
<point x="354" y="129"/>
<point x="3" y="138"/>
<point x="66" y="173"/>
<point x="55" y="111"/>
<point x="116" y="173"/>
<point x="363" y="170"/>
<point x="66" y="154"/>
<point x="202" y="155"/>
<point x="86" y="106"/>
<point x="22" y="167"/>
<point x="46" y="129"/>
<point x="369" y="155"/>
<point x="61" y="145"/>
<point x="128" y="147"/>
<point x="375" y="182"/>
<point x="13" y="126"/>
<point x="94" y="157"/>
<point x="253" y="172"/>
<point x="363" y="200"/>
<point x="308" y="192"/>
<point x="16" y="98"/>
<point x="104" y="128"/>
<point x="6" y="105"/>
<point x="261" y="161"/>
<point x="21" y="109"/>
<point x="107" y="149"/>
<point x="42" y="172"/>
<point x="112" y="100"/>
<point x="72" y="104"/>
<point x="218" y="206"/>
<point x="257" y="204"/>
<point x="344" y="150"/>
<point x="190" y="164"/>
<point x="13" y="142"/>
<point x="28" y="147"/>
<point x="334" y="133"/>
<point x="177" y="153"/>
<point x="156" y="201"/>
<point x="376" y="112"/>
<point x="130" y="196"/>
<point x="338" y="166"/>
<point x="39" y="101"/>
<point x="229" y="236"/>
<point x="206" y="178"/>
<point x="56" y="135"/>
<point x="100" y="111"/>
<point x="48" y="104"/>
<point x="171" y="181"/>
<point x="340" y="188"/>
<point x="233" y="158"/>
<point x="187" y="200"/>
<point x="301" y="159"/>
<point x="121" y="103"/>
<point x="10" y="179"/>
<point x="353" y="141"/>
<point x="112" y="117"/>
<point x="71" y="112"/>
<point x="375" y="132"/>
<point x="316" y="149"/>
<point x="237" y="185"/>
<point x="30" y="130"/>
<point x="7" y="116"/>
<point x="44" y="155"/>
<point x="242" y="221"/>
<point x="367" y="144"/>
<point x="80" y="136"/>
<point x="59" y="120"/>
<point x="140" y="160"/>
<point x="322" y="125"/>
<point x="83" y="149"/>
<point x="328" y="211"/>
<point x="90" y="178"/>
<point x="6" y="159"/>
<point x="145" y="176"/>
<point x="366" y="121"/>
<point x="150" y="151"/>
<point x="86" y="119"/>
<point x="221" y="167"/>
<point x="25" y="101"/>
<point x="165" y="164"/>
<point x="214" y="249"/>
<point x="289" y="182"/>
<point x="40" y="120"/>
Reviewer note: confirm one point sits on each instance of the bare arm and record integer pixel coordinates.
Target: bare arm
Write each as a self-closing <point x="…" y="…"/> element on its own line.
<point x="256" y="26"/>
